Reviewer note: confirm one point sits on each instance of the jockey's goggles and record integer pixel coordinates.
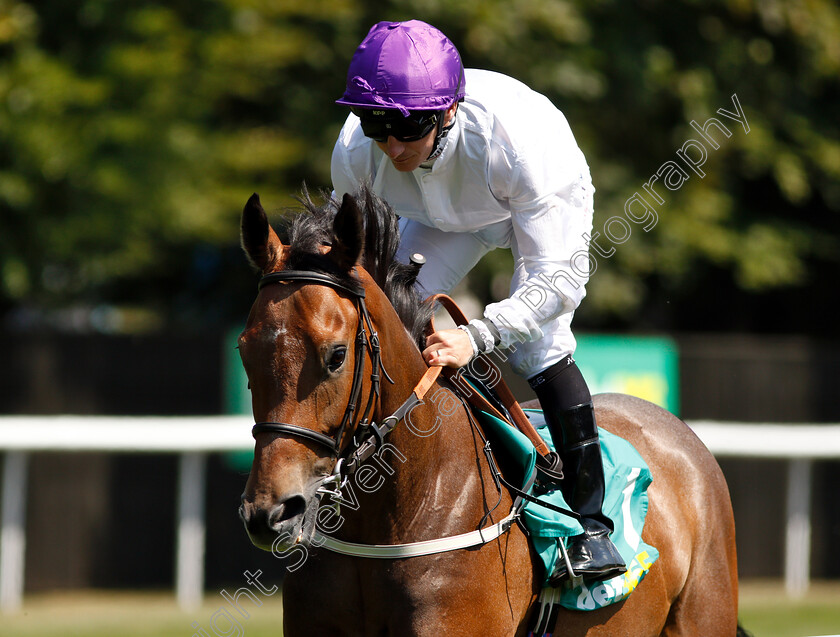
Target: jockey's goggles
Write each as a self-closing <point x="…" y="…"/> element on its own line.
<point x="380" y="124"/>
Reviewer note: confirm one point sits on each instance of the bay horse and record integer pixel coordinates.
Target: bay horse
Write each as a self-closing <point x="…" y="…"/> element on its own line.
<point x="332" y="341"/>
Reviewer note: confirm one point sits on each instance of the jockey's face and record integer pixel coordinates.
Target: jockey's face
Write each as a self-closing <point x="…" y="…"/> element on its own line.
<point x="407" y="156"/>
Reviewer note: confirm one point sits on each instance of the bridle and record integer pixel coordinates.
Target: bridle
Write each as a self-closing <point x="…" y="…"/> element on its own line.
<point x="368" y="435"/>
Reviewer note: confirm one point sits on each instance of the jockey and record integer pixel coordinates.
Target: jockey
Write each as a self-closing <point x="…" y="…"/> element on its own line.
<point x="472" y="161"/>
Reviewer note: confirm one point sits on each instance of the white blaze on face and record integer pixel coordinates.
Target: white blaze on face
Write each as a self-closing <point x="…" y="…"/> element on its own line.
<point x="273" y="341"/>
<point x="276" y="334"/>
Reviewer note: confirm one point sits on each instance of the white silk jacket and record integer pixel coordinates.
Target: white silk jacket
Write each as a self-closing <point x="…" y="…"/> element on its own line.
<point x="510" y="175"/>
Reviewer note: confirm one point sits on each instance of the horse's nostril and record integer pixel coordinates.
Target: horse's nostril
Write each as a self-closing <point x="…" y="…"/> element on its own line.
<point x="288" y="510"/>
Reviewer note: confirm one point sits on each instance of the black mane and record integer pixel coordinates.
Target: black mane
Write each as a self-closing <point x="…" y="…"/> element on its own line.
<point x="308" y="231"/>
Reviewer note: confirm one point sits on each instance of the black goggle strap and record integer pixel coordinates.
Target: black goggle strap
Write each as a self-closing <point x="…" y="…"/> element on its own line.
<point x="440" y="133"/>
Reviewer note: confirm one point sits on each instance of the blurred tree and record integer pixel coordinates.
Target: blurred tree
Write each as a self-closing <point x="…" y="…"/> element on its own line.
<point x="743" y="247"/>
<point x="132" y="132"/>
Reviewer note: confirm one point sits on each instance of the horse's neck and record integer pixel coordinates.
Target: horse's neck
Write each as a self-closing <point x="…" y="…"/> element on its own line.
<point x="444" y="475"/>
<point x="430" y="479"/>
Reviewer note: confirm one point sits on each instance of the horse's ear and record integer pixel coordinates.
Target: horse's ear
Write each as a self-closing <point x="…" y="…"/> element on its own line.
<point x="349" y="231"/>
<point x="260" y="242"/>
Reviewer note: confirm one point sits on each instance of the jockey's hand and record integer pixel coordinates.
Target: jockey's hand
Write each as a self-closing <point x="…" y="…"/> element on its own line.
<point x="448" y="348"/>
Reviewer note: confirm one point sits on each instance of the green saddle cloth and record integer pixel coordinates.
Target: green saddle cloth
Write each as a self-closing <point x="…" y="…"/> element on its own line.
<point x="627" y="478"/>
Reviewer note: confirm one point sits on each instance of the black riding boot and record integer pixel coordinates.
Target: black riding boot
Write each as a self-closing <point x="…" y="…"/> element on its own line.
<point x="567" y="405"/>
<point x="592" y="554"/>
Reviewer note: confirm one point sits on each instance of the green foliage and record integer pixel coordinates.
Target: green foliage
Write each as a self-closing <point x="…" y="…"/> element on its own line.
<point x="132" y="132"/>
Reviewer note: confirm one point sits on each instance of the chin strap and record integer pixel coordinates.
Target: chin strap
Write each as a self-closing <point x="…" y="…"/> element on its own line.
<point x="440" y="137"/>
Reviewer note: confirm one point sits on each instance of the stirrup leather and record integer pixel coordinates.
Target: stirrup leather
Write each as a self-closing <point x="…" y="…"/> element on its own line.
<point x="550" y="469"/>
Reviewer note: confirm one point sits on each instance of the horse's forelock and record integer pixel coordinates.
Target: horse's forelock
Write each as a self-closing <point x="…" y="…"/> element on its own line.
<point x="312" y="229"/>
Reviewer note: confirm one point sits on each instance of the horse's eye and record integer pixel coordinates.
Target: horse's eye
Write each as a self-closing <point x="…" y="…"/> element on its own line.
<point x="336" y="359"/>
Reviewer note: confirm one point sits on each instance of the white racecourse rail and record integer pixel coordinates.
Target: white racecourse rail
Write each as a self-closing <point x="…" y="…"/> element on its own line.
<point x="195" y="436"/>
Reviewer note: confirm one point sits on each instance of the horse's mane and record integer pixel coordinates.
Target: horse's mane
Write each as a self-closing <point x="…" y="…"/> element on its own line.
<point x="309" y="230"/>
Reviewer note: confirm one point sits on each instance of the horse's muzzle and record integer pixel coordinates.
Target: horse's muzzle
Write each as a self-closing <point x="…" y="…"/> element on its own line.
<point x="281" y="523"/>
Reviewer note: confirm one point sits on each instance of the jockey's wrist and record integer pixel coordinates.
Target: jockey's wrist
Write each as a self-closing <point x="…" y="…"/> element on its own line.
<point x="487" y="334"/>
<point x="491" y="326"/>
<point x="469" y="330"/>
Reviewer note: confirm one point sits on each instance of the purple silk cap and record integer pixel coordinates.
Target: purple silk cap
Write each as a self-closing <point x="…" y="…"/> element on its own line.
<point x="405" y="66"/>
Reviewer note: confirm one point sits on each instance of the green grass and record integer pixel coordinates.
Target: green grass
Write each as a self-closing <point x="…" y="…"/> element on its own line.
<point x="110" y="614"/>
<point x="765" y="612"/>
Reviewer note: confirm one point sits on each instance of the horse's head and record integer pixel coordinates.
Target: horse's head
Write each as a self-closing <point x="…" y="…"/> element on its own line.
<point x="302" y="354"/>
<point x="298" y="351"/>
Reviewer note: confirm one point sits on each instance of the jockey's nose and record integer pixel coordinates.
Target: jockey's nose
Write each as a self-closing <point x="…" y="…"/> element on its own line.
<point x="394" y="147"/>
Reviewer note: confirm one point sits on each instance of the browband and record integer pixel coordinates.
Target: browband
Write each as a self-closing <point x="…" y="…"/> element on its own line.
<point x="310" y="277"/>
